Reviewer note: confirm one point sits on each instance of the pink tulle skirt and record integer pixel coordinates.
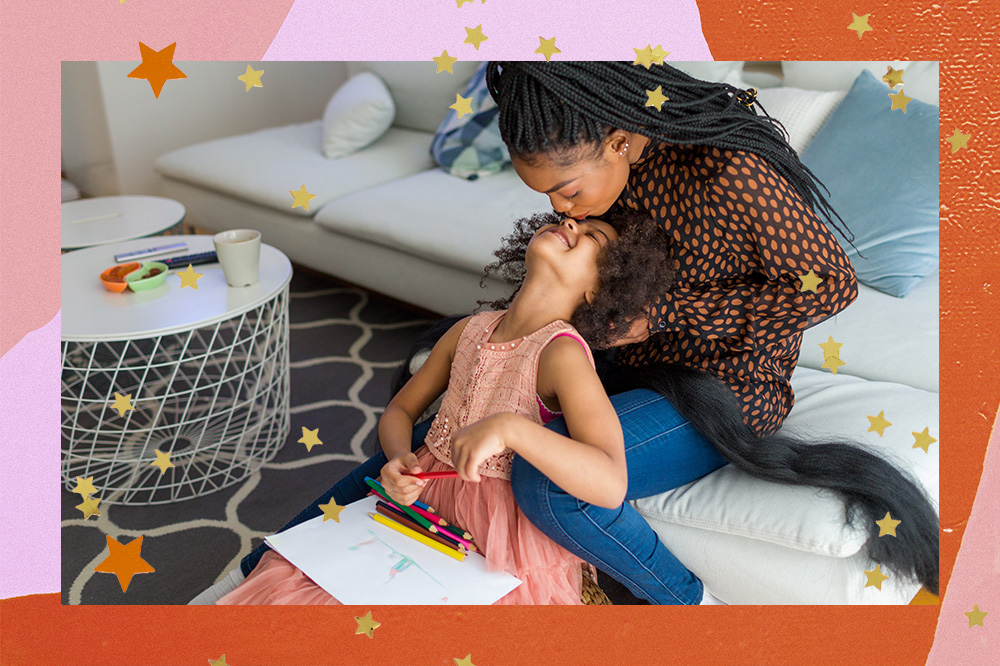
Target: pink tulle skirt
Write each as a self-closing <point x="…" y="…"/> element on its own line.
<point x="550" y="574"/>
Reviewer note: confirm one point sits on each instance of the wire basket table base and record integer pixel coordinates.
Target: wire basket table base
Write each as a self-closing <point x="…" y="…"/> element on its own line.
<point x="216" y="399"/>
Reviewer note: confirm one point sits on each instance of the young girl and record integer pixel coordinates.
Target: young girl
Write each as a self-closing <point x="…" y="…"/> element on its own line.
<point x="507" y="373"/>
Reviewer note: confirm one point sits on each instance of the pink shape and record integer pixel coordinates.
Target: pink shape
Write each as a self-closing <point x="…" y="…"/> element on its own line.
<point x="29" y="462"/>
<point x="974" y="580"/>
<point x="416" y="29"/>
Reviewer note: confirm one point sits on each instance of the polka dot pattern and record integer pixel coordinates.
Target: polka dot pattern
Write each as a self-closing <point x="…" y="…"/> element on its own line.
<point x="742" y="237"/>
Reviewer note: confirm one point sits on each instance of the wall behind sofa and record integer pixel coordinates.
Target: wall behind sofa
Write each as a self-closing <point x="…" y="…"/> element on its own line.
<point x="131" y="127"/>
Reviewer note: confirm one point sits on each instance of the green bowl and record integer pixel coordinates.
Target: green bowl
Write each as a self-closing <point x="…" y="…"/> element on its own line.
<point x="139" y="280"/>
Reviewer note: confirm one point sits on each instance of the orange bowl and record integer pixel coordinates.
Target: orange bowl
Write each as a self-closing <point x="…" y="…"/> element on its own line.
<point x="113" y="278"/>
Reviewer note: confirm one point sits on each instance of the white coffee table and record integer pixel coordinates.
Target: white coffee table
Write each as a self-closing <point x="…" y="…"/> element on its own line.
<point x="106" y="220"/>
<point x="207" y="371"/>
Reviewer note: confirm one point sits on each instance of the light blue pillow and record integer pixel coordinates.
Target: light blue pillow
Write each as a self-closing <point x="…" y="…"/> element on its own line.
<point x="881" y="167"/>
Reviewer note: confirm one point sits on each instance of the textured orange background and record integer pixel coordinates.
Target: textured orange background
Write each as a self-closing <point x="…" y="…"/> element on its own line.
<point x="955" y="33"/>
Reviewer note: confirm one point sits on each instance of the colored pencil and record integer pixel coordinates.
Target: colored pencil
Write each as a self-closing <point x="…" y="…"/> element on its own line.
<point x="442" y="523"/>
<point x="426" y="507"/>
<point x="401" y="518"/>
<point x="426" y="524"/>
<point x="402" y="529"/>
<point x="449" y="474"/>
<point x="413" y="515"/>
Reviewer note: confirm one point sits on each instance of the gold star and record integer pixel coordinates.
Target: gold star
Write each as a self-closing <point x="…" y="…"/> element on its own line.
<point x="958" y="141"/>
<point x="900" y="100"/>
<point x="122" y="403"/>
<point x="833" y="363"/>
<point x="157" y="67"/>
<point x="810" y="281"/>
<point x="251" y="78"/>
<point x="465" y="662"/>
<point x="445" y="61"/>
<point x="923" y="440"/>
<point x="656" y="98"/>
<point x="878" y="423"/>
<point x="860" y="24"/>
<point x="830" y="347"/>
<point x="124" y="561"/>
<point x="331" y="510"/>
<point x="462" y="105"/>
<point x="976" y="616"/>
<point x="310" y="438"/>
<point x="85" y="486"/>
<point x="893" y="77"/>
<point x="301" y="197"/>
<point x="547" y="48"/>
<point x="644" y="56"/>
<point x="659" y="54"/>
<point x="876" y="577"/>
<point x="462" y="2"/>
<point x="162" y="461"/>
<point x="189" y="278"/>
<point x="221" y="661"/>
<point x="887" y="525"/>
<point x="89" y="507"/>
<point x="366" y="625"/>
<point x="475" y="36"/>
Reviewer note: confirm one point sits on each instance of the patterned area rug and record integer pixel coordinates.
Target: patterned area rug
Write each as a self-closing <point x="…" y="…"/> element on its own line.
<point x="345" y="346"/>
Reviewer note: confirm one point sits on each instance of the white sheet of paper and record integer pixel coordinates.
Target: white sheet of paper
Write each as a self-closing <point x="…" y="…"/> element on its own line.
<point x="360" y="561"/>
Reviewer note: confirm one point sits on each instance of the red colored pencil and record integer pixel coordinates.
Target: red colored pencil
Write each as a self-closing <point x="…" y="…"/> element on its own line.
<point x="449" y="474"/>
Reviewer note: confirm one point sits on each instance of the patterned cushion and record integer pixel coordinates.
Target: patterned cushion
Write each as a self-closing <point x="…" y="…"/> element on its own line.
<point x="470" y="146"/>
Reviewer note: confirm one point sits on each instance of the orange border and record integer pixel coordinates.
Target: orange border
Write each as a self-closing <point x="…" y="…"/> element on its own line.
<point x="37" y="629"/>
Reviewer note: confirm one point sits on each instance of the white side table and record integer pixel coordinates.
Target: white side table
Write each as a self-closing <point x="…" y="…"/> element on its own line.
<point x="105" y="220"/>
<point x="207" y="371"/>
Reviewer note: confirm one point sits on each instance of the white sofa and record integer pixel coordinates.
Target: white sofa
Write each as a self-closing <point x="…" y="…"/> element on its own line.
<point x="387" y="219"/>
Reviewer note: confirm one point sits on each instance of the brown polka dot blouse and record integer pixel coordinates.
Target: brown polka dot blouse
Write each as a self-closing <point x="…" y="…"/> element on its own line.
<point x="742" y="236"/>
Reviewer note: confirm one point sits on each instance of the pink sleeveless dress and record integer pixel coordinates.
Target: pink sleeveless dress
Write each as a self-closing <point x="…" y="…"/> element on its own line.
<point x="486" y="378"/>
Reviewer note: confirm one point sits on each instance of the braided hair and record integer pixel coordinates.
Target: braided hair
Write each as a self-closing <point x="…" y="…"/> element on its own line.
<point x="561" y="108"/>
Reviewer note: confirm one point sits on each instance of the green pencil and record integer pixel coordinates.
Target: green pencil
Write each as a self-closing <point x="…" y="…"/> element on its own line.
<point x="417" y="518"/>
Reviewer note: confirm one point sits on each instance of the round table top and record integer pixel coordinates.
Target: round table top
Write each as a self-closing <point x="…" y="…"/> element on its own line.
<point x="105" y="220"/>
<point x="92" y="313"/>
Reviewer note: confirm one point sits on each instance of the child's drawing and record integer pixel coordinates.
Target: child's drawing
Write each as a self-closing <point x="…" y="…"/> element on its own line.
<point x="402" y="565"/>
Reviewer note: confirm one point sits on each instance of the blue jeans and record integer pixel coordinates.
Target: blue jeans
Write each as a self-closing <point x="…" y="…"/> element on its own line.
<point x="663" y="451"/>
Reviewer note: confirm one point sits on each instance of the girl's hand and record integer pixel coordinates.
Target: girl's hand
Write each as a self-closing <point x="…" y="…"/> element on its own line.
<point x="474" y="443"/>
<point x="402" y="488"/>
<point x="638" y="332"/>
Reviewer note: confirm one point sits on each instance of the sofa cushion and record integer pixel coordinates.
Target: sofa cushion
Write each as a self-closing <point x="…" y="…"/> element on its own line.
<point x="470" y="146"/>
<point x="920" y="79"/>
<point x="806" y="518"/>
<point x="263" y="166"/>
<point x="422" y="94"/>
<point x="436" y="216"/>
<point x="358" y="113"/>
<point x="881" y="167"/>
<point x="801" y="112"/>
<point x="885" y="338"/>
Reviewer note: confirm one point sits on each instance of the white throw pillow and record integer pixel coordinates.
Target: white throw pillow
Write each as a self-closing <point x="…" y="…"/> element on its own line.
<point x="920" y="79"/>
<point x="358" y="113"/>
<point x="802" y="112"/>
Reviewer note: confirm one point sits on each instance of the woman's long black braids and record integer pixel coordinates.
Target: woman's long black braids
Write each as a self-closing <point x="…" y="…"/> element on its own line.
<point x="869" y="485"/>
<point x="556" y="108"/>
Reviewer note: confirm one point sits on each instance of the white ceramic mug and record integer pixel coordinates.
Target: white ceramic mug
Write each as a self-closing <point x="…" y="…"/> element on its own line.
<point x="239" y="254"/>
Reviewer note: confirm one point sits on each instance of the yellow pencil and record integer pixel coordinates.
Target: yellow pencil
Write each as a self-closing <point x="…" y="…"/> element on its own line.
<point x="402" y="529"/>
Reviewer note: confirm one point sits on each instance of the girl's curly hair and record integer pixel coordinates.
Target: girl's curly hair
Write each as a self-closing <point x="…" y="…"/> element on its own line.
<point x="634" y="271"/>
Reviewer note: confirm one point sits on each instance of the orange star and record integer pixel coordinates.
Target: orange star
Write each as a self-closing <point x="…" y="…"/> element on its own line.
<point x="157" y="67"/>
<point x="124" y="561"/>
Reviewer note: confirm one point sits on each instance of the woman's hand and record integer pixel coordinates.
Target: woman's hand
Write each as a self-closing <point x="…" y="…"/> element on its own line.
<point x="638" y="332"/>
<point x="402" y="488"/>
<point x="474" y="443"/>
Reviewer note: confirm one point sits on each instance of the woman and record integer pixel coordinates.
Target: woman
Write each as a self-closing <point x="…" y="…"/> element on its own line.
<point x="741" y="211"/>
